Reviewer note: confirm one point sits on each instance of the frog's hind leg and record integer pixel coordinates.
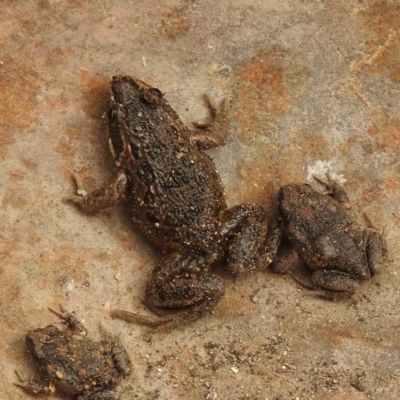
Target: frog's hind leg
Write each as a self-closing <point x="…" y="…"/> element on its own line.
<point x="35" y="388"/>
<point x="335" y="284"/>
<point x="99" y="394"/>
<point x="179" y="282"/>
<point x="245" y="227"/>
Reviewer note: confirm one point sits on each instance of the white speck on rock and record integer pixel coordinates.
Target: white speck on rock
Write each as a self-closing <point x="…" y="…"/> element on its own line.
<point x="322" y="169"/>
<point x="68" y="287"/>
<point x="234" y="370"/>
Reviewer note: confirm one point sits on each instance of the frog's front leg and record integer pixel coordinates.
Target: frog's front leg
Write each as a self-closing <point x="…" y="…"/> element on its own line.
<point x="245" y="227"/>
<point x="35" y="388"/>
<point x="215" y="131"/>
<point x="70" y="320"/>
<point x="102" y="198"/>
<point x="180" y="281"/>
<point x="119" y="355"/>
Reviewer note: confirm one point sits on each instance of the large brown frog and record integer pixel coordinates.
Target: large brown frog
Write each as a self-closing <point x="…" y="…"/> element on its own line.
<point x="177" y="199"/>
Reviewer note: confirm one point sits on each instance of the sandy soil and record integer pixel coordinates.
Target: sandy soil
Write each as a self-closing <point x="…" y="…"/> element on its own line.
<point x="314" y="88"/>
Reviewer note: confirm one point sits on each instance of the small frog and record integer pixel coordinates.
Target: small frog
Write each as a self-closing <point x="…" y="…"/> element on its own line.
<point x="324" y="236"/>
<point x="177" y="199"/>
<point x="74" y="364"/>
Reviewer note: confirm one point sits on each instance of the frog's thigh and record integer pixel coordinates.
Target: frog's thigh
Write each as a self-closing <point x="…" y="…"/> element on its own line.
<point x="247" y="225"/>
<point x="335" y="281"/>
<point x="194" y="294"/>
<point x="184" y="290"/>
<point x="104" y="395"/>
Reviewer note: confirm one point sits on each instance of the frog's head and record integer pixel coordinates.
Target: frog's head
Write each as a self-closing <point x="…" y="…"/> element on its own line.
<point x="37" y="339"/>
<point x="127" y="90"/>
<point x="129" y="106"/>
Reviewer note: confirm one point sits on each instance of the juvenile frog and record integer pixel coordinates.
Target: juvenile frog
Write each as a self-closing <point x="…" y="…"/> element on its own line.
<point x="177" y="199"/>
<point x="75" y="365"/>
<point x="324" y="236"/>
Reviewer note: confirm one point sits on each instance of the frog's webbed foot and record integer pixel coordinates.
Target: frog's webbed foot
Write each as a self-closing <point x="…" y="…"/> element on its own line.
<point x="102" y="198"/>
<point x="216" y="129"/>
<point x="35" y="388"/>
<point x="245" y="226"/>
<point x="70" y="320"/>
<point x="179" y="282"/>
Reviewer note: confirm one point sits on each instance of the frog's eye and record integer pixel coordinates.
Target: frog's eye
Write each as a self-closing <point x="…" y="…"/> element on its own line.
<point x="156" y="92"/>
<point x="111" y="114"/>
<point x="153" y="95"/>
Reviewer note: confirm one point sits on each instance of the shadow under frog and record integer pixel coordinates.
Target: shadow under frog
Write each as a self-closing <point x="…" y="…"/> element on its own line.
<point x="75" y="365"/>
<point x="324" y="236"/>
<point x="177" y="199"/>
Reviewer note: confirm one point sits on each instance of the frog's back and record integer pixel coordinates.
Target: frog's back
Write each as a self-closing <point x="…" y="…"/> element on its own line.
<point x="310" y="213"/>
<point x="320" y="228"/>
<point x="76" y="365"/>
<point x="176" y="194"/>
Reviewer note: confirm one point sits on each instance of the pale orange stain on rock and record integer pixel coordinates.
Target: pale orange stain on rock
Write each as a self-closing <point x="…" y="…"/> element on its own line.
<point x="376" y="194"/>
<point x="373" y="129"/>
<point x="392" y="183"/>
<point x="17" y="99"/>
<point x="384" y="137"/>
<point x="388" y="138"/>
<point x="96" y="90"/>
<point x="14" y="198"/>
<point x="262" y="89"/>
<point x="346" y="146"/>
<point x="17" y="175"/>
<point x="174" y="22"/>
<point x="94" y="84"/>
<point x="382" y="18"/>
<point x="64" y="146"/>
<point x="338" y="335"/>
<point x="256" y="185"/>
<point x="393" y="134"/>
<point x="267" y="85"/>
